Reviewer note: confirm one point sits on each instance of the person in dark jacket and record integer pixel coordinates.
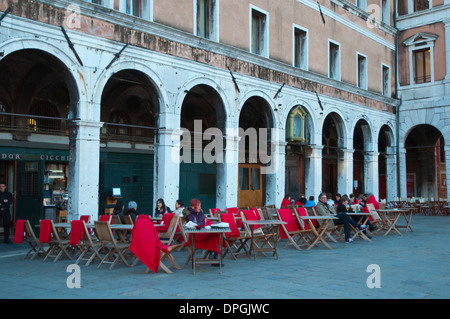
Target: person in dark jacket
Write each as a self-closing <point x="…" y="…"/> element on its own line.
<point x="118" y="210"/>
<point x="196" y="214"/>
<point x="341" y="212"/>
<point x="6" y="200"/>
<point x="132" y="211"/>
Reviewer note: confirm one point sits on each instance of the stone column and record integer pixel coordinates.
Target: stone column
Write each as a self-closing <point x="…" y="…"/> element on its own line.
<point x="371" y="176"/>
<point x="313" y="170"/>
<point x="402" y="172"/>
<point x="345" y="171"/>
<point x="84" y="168"/>
<point x="167" y="161"/>
<point x="228" y="172"/>
<point x="275" y="171"/>
<point x="391" y="174"/>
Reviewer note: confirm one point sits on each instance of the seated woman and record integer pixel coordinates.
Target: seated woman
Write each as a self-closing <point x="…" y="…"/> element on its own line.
<point x="196" y="214"/>
<point x="161" y="208"/>
<point x="202" y="241"/>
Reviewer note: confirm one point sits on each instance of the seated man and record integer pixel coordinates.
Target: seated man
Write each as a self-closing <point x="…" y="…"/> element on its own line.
<point x="345" y="207"/>
<point x="323" y="209"/>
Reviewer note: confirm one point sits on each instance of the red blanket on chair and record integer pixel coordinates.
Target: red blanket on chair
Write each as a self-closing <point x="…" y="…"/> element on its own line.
<point x="292" y="224"/>
<point x="235" y="212"/>
<point x="76" y="232"/>
<point x="145" y="243"/>
<point x="45" y="235"/>
<point x="166" y="219"/>
<point x="18" y="235"/>
<point x="285" y="203"/>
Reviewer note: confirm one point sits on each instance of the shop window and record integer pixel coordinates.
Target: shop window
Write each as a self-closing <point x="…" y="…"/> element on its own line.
<point x="55" y="183"/>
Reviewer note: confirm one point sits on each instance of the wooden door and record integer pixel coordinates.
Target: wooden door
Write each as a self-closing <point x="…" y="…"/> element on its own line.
<point x="250" y="188"/>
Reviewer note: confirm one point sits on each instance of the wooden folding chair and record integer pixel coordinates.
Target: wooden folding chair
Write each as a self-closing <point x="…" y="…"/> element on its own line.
<point x="376" y="220"/>
<point x="105" y="218"/>
<point x="115" y="219"/>
<point x="168" y="237"/>
<point x="291" y="230"/>
<point x="311" y="227"/>
<point x="57" y="246"/>
<point x="335" y="232"/>
<point x="115" y="250"/>
<point x="89" y="248"/>
<point x="212" y="211"/>
<point x="259" y="236"/>
<point x="36" y="249"/>
<point x="235" y="241"/>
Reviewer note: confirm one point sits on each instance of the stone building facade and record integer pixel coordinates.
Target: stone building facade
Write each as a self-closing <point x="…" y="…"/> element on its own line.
<point x="102" y="89"/>
<point x="424" y="74"/>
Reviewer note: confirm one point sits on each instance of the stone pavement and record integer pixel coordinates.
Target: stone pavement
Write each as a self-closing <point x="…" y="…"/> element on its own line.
<point x="412" y="266"/>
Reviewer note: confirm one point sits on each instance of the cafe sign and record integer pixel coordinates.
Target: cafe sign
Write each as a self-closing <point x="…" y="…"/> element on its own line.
<point x="54" y="157"/>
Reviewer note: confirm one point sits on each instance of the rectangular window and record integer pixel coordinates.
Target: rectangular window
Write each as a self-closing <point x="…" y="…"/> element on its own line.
<point x="136" y="8"/>
<point x="300" y="49"/>
<point x="385" y="11"/>
<point x="386" y="80"/>
<point x="361" y="4"/>
<point x="205" y="19"/>
<point x="334" y="63"/>
<point x="422" y="66"/>
<point x="259" y="33"/>
<point x="420" y="5"/>
<point x="361" y="71"/>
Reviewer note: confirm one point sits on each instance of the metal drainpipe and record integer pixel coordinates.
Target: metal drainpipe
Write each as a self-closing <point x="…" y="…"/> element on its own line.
<point x="397" y="97"/>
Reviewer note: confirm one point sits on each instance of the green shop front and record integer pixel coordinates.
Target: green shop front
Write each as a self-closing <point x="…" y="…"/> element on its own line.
<point x="38" y="180"/>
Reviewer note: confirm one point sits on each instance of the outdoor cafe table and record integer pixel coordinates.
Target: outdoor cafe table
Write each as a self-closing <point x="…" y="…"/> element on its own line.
<point x="318" y="233"/>
<point x="275" y="235"/>
<point x="213" y="230"/>
<point x="391" y="217"/>
<point x="120" y="228"/>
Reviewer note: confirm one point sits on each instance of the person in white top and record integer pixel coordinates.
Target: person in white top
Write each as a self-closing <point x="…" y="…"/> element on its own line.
<point x="179" y="206"/>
